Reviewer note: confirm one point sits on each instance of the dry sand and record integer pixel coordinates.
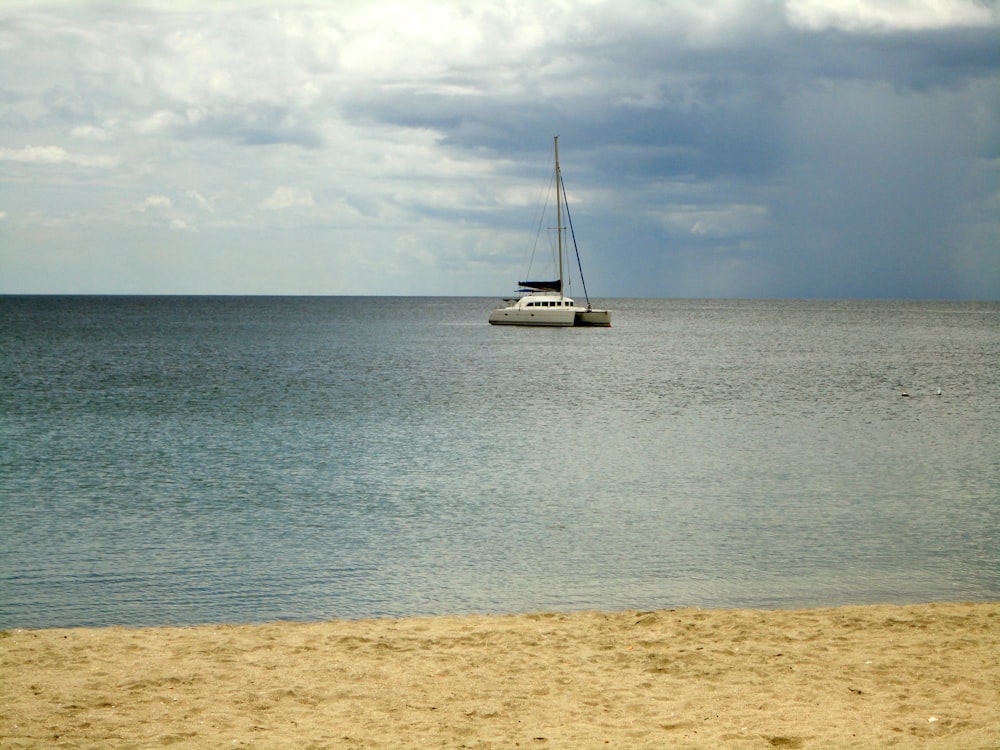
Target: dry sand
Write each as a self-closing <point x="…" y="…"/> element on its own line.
<point x="850" y="677"/>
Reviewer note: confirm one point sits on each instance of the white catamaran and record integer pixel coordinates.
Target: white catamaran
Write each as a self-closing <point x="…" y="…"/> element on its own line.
<point x="544" y="303"/>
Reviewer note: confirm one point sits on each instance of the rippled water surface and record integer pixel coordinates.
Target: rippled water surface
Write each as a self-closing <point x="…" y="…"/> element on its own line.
<point x="187" y="460"/>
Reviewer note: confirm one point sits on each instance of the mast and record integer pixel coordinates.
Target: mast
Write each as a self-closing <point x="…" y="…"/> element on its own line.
<point x="559" y="227"/>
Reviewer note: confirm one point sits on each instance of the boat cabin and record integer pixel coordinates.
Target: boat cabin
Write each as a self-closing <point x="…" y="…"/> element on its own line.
<point x="564" y="302"/>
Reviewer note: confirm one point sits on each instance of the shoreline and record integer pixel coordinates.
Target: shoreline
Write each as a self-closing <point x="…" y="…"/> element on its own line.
<point x="904" y="676"/>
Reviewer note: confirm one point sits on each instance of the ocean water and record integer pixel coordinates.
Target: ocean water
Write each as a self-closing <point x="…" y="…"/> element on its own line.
<point x="181" y="460"/>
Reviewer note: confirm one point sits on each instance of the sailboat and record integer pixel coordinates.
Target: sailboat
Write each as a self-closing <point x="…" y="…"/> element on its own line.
<point x="544" y="303"/>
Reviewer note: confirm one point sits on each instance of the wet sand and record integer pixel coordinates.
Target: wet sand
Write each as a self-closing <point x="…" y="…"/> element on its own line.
<point x="924" y="676"/>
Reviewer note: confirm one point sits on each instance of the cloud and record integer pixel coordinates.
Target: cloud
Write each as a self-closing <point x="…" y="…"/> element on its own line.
<point x="719" y="221"/>
<point x="163" y="212"/>
<point x="889" y="15"/>
<point x="156" y="202"/>
<point x="250" y="126"/>
<point x="744" y="147"/>
<point x="288" y="197"/>
<point x="57" y="155"/>
<point x="92" y="133"/>
<point x="201" y="200"/>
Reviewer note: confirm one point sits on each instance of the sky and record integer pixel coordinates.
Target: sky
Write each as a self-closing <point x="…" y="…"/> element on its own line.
<point x="710" y="148"/>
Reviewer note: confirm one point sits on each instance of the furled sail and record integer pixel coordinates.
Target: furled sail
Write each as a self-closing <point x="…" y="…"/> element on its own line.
<point x="542" y="286"/>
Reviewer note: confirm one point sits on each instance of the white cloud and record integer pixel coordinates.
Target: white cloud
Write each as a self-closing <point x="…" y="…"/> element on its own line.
<point x="156" y="202"/>
<point x="288" y="197"/>
<point x="404" y="39"/>
<point x="889" y="15"/>
<point x="716" y="221"/>
<point x="158" y="122"/>
<point x="161" y="211"/>
<point x="202" y="201"/>
<point x="91" y="133"/>
<point x="57" y="155"/>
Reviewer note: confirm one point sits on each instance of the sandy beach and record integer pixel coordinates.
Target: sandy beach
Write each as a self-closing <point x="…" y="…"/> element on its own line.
<point x="850" y="677"/>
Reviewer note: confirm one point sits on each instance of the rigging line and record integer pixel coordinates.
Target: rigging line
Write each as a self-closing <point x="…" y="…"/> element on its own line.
<point x="541" y="222"/>
<point x="569" y="220"/>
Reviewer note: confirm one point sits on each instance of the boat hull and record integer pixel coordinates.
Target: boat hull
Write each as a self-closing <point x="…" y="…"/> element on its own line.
<point x="563" y="317"/>
<point x="513" y="316"/>
<point x="597" y="318"/>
